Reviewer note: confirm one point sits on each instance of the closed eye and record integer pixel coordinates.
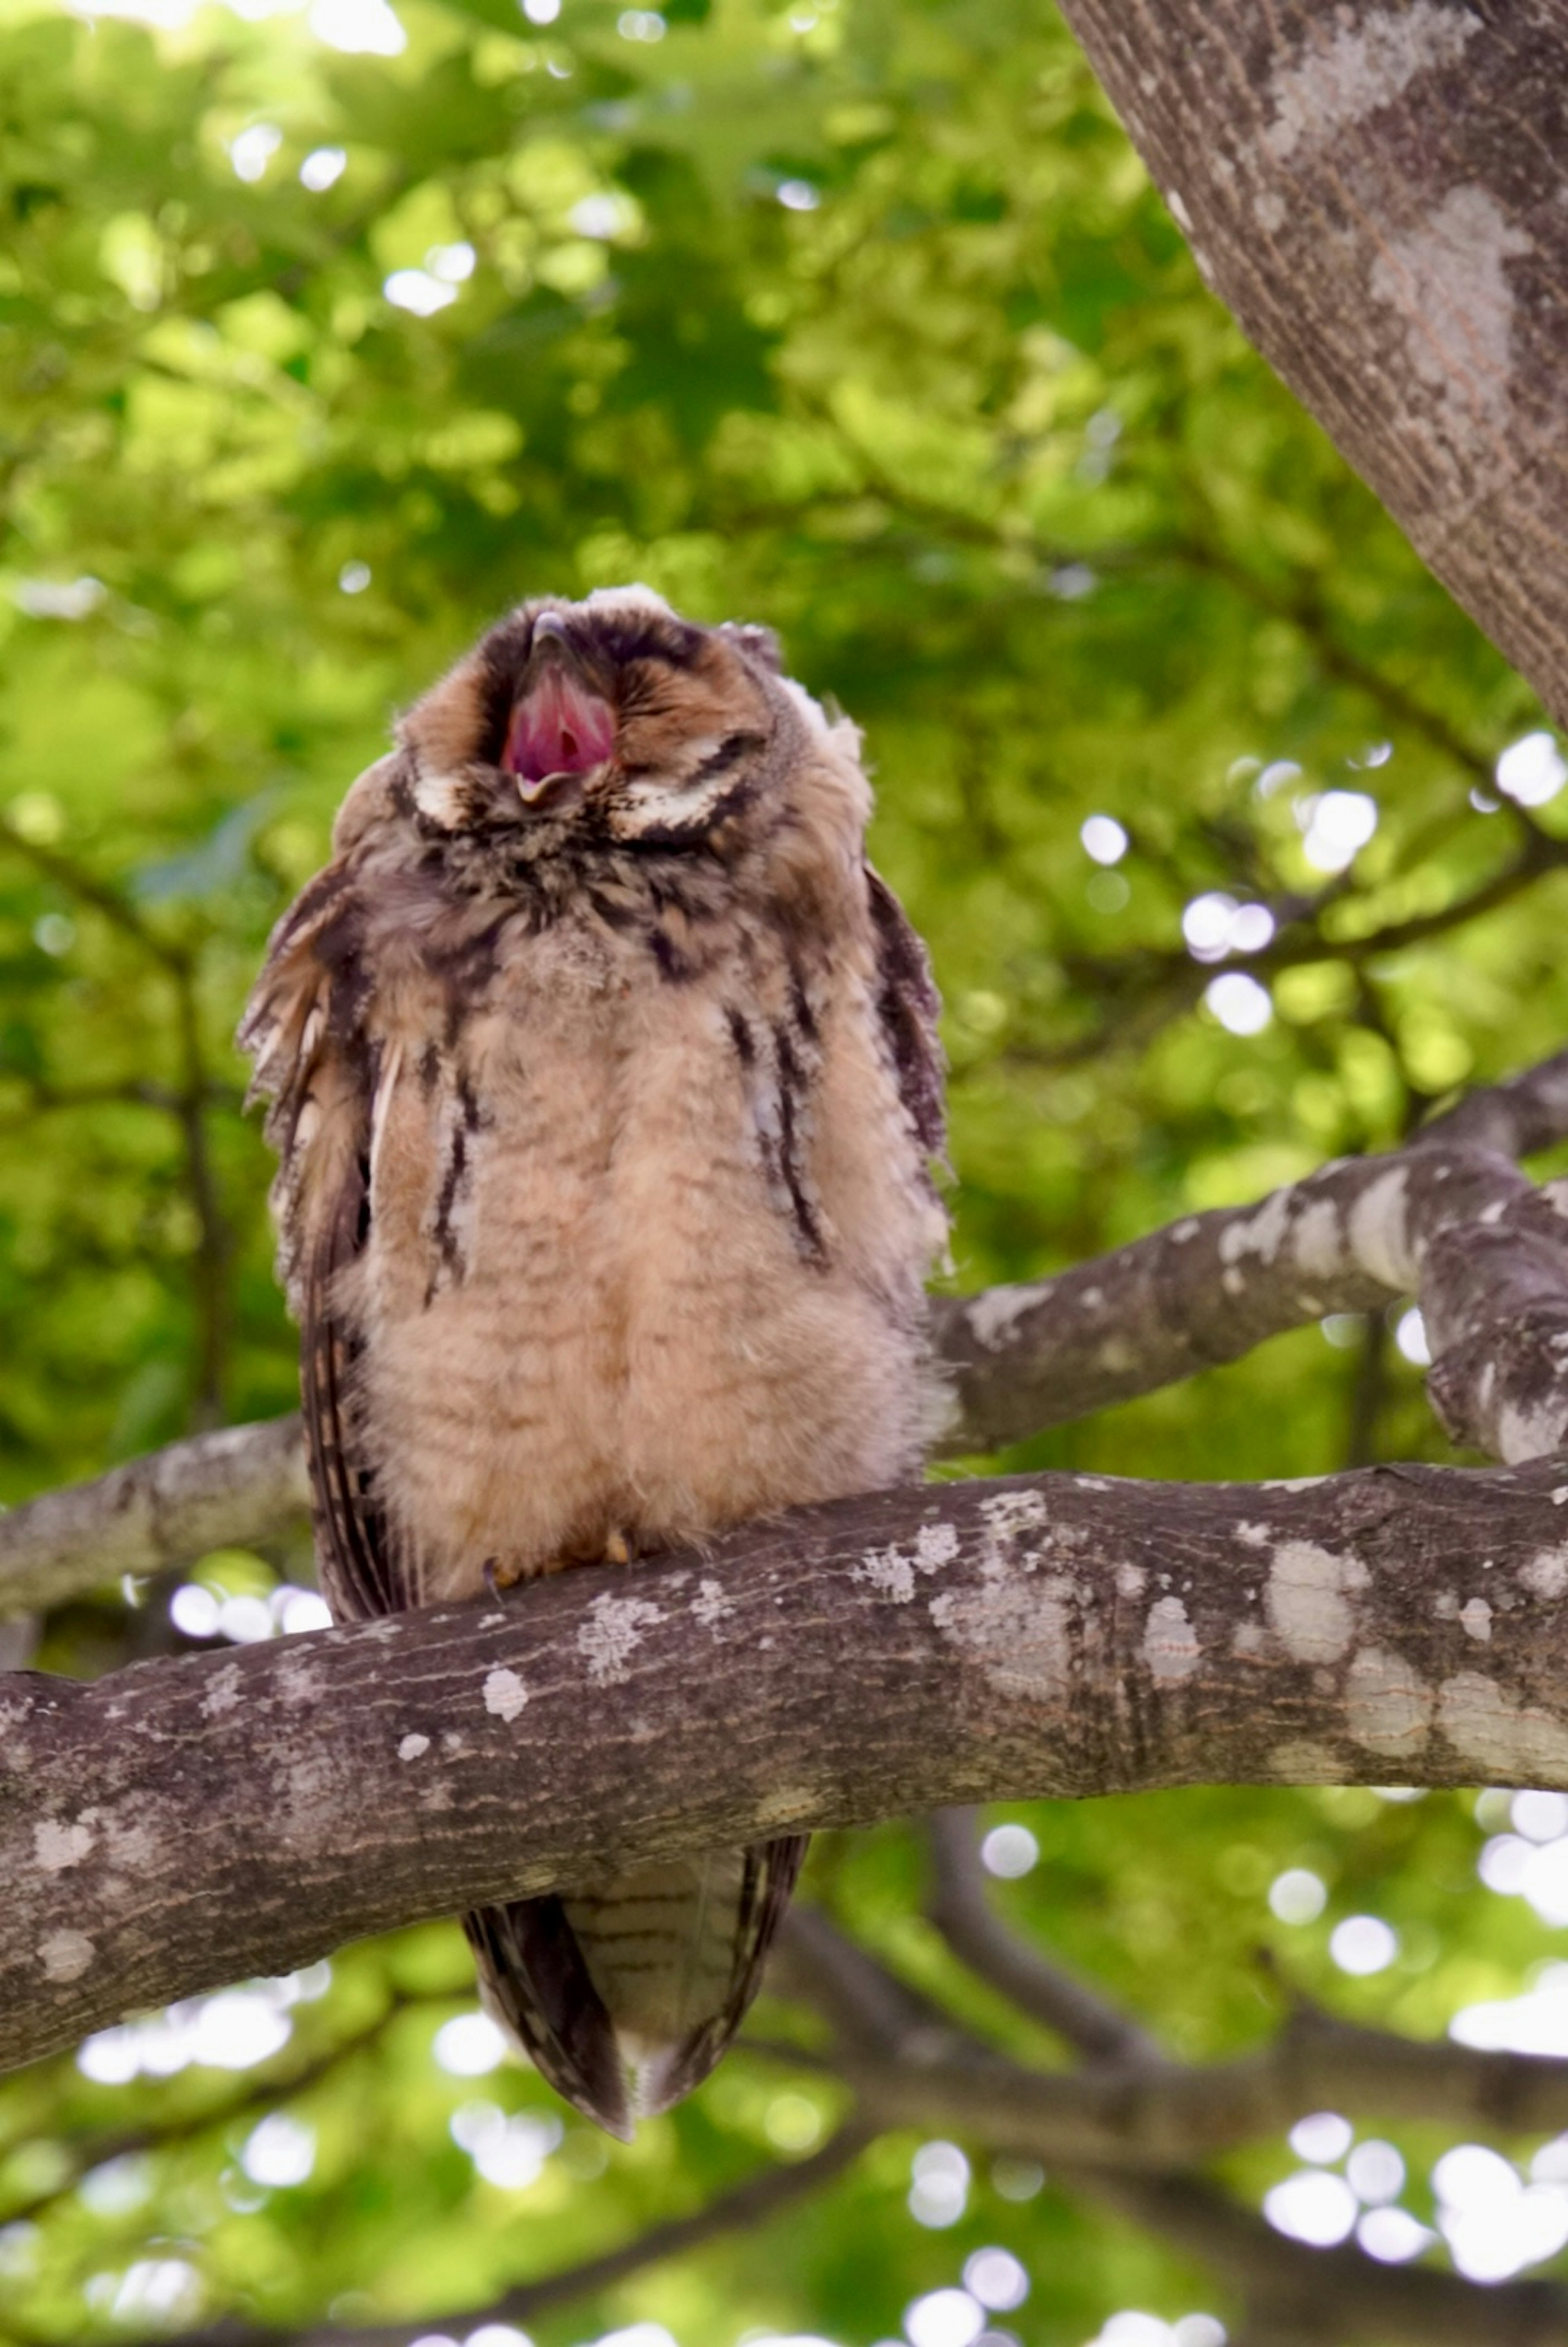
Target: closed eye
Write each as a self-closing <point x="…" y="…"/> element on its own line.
<point x="650" y="781"/>
<point x="667" y="810"/>
<point x="729" y="752"/>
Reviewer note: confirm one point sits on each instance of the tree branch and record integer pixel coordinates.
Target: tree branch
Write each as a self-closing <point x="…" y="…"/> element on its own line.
<point x="248" y="1811"/>
<point x="235" y="1486"/>
<point x="1424" y="258"/>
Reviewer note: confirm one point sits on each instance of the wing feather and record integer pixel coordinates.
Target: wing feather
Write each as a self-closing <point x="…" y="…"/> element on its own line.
<point x="303" y="1027"/>
<point x="909" y="1006"/>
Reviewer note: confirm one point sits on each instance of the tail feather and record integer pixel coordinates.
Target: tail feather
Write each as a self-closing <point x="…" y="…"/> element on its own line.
<point x="626" y="1992"/>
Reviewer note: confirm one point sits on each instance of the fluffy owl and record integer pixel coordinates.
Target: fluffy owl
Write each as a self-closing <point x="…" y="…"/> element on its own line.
<point x="606" y="1093"/>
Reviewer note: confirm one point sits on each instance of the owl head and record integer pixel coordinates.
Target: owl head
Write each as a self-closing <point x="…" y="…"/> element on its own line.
<point x="612" y="720"/>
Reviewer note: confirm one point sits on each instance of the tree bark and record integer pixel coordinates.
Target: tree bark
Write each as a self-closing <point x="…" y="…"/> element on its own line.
<point x="189" y="1821"/>
<point x="1377" y="192"/>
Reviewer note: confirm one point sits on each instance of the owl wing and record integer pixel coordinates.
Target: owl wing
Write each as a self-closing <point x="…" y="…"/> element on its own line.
<point x="303" y="1028"/>
<point x="908" y="1007"/>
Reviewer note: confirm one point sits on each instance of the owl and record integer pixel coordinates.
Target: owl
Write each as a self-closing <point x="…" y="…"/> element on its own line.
<point x="606" y="1096"/>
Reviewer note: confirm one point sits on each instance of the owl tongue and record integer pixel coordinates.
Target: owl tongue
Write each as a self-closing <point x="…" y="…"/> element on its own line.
<point x="559" y="727"/>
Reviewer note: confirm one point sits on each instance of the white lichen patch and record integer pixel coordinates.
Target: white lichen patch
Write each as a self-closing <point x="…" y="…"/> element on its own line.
<point x="710" y="1604"/>
<point x="1016" y="1630"/>
<point x="611" y="1635"/>
<point x="298" y="1681"/>
<point x="1260" y="1234"/>
<point x="1318" y="1242"/>
<point x="1131" y="1580"/>
<point x="889" y="1573"/>
<point x="505" y="1694"/>
<point x="1546" y="1575"/>
<point x="224" y="1693"/>
<point x="1307" y="1598"/>
<point x="57" y="1846"/>
<point x="1362" y="67"/>
<point x="1248" y="1638"/>
<point x="412" y="1745"/>
<point x="1475" y="1619"/>
<point x="1388" y="1706"/>
<point x="1449" y="283"/>
<point x="1512" y="1744"/>
<point x="892" y="1574"/>
<point x="1253" y="1535"/>
<point x="993" y="1314"/>
<point x="66" y="1955"/>
<point x="1524" y="1434"/>
<point x="1375" y="1228"/>
<point x="1171" y="1648"/>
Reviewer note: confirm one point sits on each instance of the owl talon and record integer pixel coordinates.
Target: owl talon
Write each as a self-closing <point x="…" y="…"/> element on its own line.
<point x="500" y="1577"/>
<point x="618" y="1549"/>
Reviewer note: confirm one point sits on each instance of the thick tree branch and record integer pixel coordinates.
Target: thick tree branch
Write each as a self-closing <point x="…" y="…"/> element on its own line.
<point x="1366" y="190"/>
<point x="189" y="1822"/>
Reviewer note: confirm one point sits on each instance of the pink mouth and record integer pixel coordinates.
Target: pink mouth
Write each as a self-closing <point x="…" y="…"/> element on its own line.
<point x="559" y="727"/>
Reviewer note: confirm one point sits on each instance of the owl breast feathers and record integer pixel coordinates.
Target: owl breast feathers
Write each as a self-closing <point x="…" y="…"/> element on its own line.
<point x="606" y="1093"/>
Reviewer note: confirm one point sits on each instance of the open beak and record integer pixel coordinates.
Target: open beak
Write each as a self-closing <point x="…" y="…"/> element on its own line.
<point x="560" y="726"/>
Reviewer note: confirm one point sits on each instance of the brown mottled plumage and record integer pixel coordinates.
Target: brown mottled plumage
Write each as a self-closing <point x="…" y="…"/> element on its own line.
<point x="605" y="1090"/>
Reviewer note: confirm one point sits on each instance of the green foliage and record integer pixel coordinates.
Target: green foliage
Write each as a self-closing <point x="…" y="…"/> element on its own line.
<point x="863" y="321"/>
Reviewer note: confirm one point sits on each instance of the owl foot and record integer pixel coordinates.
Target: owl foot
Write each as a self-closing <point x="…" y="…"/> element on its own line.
<point x="618" y="1549"/>
<point x="501" y="1575"/>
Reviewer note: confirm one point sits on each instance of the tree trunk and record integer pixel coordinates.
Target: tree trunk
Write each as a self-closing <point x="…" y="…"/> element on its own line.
<point x="1376" y="193"/>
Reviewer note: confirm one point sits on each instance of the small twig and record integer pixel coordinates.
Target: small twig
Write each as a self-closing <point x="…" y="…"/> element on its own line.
<point x="963" y="1913"/>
